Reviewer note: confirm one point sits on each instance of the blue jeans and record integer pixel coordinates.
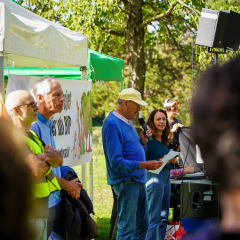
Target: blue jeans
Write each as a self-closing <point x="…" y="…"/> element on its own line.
<point x="158" y="193"/>
<point x="132" y="210"/>
<point x="39" y="227"/>
<point x="56" y="222"/>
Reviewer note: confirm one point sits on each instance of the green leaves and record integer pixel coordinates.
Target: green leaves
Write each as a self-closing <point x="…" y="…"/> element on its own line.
<point x="168" y="47"/>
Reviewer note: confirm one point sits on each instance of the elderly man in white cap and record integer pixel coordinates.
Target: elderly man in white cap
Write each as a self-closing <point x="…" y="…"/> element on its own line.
<point x="126" y="164"/>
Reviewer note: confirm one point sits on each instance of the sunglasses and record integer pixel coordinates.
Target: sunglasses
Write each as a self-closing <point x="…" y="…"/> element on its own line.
<point x="33" y="104"/>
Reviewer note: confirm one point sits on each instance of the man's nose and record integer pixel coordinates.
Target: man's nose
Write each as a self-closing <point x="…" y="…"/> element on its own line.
<point x="36" y="108"/>
<point x="62" y="99"/>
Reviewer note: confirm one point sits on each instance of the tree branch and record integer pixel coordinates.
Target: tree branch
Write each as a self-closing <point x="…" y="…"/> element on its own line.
<point x="125" y="11"/>
<point x="179" y="48"/>
<point x="192" y="17"/>
<point x="112" y="31"/>
<point x="150" y="4"/>
<point x="157" y="17"/>
<point x="105" y="41"/>
<point x="184" y="20"/>
<point x="187" y="6"/>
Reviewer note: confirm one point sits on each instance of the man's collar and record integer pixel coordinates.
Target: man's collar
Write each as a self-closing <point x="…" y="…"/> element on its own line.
<point x="43" y="120"/>
<point x="118" y="115"/>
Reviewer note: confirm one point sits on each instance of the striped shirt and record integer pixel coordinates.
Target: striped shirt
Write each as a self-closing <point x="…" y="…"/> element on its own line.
<point x="118" y="115"/>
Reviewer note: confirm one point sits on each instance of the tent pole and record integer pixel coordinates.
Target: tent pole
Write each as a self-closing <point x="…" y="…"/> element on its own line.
<point x="122" y="85"/>
<point x="2" y="75"/>
<point x="91" y="179"/>
<point x="83" y="166"/>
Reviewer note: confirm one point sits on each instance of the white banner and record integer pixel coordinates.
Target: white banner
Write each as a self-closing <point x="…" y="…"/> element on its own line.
<point x="72" y="128"/>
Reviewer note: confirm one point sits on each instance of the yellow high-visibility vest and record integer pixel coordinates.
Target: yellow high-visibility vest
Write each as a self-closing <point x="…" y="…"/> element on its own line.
<point x="47" y="183"/>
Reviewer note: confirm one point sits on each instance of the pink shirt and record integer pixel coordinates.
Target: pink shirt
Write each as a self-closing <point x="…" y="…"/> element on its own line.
<point x="121" y="117"/>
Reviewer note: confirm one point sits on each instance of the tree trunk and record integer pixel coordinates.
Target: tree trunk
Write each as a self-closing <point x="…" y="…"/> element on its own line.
<point x="135" y="42"/>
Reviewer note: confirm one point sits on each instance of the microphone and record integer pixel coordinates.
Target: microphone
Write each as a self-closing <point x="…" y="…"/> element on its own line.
<point x="143" y="124"/>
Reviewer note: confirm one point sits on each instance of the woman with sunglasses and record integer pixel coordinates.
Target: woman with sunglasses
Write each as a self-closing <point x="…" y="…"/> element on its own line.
<point x="158" y="185"/>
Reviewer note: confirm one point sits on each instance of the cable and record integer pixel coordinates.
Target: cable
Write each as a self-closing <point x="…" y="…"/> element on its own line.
<point x="182" y="188"/>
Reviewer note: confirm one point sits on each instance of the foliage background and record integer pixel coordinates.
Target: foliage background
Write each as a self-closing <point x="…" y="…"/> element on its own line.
<point x="174" y="62"/>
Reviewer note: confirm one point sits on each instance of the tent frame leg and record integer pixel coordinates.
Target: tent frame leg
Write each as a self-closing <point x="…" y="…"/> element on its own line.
<point x="83" y="166"/>
<point x="2" y="74"/>
<point x="122" y="85"/>
<point x="91" y="179"/>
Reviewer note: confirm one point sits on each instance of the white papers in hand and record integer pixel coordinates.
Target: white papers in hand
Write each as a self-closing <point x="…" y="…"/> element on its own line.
<point x="169" y="156"/>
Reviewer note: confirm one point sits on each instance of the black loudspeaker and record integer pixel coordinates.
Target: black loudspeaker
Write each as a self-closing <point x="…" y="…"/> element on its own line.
<point x="199" y="201"/>
<point x="219" y="29"/>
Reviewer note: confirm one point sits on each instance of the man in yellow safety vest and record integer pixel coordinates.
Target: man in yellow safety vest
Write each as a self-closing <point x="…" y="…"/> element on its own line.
<point x="40" y="157"/>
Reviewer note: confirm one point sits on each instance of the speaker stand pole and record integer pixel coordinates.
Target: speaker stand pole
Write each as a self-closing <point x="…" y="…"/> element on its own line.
<point x="215" y="60"/>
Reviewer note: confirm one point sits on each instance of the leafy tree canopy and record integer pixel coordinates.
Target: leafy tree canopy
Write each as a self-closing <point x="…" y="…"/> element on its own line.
<point x="173" y="61"/>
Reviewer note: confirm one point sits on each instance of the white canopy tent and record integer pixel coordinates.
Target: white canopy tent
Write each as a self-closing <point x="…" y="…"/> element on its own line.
<point x="29" y="40"/>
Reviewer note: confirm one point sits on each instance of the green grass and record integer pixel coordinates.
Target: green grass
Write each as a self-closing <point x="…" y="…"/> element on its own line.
<point x="102" y="193"/>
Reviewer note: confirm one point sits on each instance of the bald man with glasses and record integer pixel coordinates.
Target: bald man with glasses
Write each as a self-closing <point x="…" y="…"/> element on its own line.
<point x="22" y="109"/>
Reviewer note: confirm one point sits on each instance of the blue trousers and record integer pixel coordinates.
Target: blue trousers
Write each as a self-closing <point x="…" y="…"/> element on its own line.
<point x="132" y="210"/>
<point x="158" y="194"/>
<point x="39" y="227"/>
<point x="56" y="222"/>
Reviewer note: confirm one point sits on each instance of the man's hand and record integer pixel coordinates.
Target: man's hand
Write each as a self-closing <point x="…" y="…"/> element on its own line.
<point x="151" y="165"/>
<point x="173" y="160"/>
<point x="74" y="188"/>
<point x="48" y="149"/>
<point x="188" y="169"/>
<point x="144" y="136"/>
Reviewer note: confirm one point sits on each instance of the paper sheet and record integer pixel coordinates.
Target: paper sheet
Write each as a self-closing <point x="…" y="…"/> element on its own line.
<point x="169" y="156"/>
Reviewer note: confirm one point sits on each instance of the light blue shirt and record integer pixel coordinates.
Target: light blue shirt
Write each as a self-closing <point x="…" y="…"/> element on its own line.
<point x="43" y="128"/>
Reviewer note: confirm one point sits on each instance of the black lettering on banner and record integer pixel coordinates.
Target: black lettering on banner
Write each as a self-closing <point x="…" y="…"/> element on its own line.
<point x="54" y="129"/>
<point x="67" y="120"/>
<point x="68" y="100"/>
<point x="64" y="152"/>
<point x="60" y="126"/>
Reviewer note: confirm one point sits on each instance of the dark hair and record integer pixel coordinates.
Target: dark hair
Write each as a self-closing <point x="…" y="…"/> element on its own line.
<point x="216" y="116"/>
<point x="15" y="184"/>
<point x="166" y="134"/>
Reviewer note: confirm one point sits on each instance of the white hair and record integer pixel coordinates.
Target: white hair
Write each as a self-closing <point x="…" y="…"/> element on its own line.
<point x="42" y="87"/>
<point x="13" y="99"/>
<point x="120" y="101"/>
<point x="9" y="105"/>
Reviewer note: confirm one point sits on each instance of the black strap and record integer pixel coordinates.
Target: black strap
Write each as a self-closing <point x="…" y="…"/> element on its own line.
<point x="29" y="135"/>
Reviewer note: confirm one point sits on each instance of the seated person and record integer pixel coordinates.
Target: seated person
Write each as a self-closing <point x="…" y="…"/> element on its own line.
<point x="179" y="173"/>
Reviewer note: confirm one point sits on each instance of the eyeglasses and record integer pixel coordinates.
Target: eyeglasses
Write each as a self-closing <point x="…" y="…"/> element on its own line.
<point x="33" y="104"/>
<point x="138" y="105"/>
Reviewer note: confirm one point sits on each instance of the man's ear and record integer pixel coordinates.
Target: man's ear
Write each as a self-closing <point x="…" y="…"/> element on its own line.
<point x="125" y="103"/>
<point x="40" y="98"/>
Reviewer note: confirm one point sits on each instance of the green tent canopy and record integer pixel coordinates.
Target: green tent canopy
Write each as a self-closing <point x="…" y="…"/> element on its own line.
<point x="100" y="67"/>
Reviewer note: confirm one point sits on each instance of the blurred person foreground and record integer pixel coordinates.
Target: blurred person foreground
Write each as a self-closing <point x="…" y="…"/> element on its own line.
<point x="217" y="132"/>
<point x="15" y="184"/>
